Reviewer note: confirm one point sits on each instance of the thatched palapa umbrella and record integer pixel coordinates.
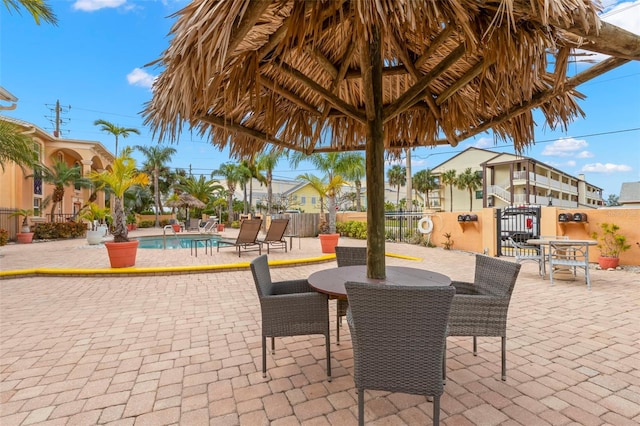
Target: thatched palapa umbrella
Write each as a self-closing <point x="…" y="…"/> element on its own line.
<point x="379" y="76"/>
<point x="187" y="201"/>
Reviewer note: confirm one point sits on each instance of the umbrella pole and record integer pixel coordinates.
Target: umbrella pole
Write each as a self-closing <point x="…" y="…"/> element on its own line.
<point x="372" y="83"/>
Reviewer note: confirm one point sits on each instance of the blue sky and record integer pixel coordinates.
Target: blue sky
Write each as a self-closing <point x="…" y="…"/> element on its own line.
<point x="94" y="61"/>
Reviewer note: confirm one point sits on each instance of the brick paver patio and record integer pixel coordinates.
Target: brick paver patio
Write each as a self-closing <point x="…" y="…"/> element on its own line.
<point x="185" y="349"/>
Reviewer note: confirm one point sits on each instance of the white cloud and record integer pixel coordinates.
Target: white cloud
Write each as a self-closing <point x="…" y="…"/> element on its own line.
<point x="565" y="147"/>
<point x="585" y="154"/>
<point x="139" y="77"/>
<point x="483" y="143"/>
<point x="93" y="5"/>
<point x="605" y="168"/>
<point x="571" y="163"/>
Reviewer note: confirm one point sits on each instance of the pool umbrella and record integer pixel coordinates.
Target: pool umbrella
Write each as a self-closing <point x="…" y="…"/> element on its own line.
<point x="379" y="76"/>
<point x="187" y="201"/>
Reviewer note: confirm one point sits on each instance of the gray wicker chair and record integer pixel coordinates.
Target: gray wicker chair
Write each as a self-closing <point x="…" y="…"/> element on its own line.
<point x="289" y="308"/>
<point x="398" y="335"/>
<point x="347" y="256"/>
<point x="480" y="308"/>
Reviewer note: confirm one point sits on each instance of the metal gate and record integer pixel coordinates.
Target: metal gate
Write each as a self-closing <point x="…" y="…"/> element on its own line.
<point x="519" y="223"/>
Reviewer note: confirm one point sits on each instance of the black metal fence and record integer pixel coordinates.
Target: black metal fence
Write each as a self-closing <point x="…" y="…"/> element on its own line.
<point x="518" y="223"/>
<point x="10" y="224"/>
<point x="402" y="226"/>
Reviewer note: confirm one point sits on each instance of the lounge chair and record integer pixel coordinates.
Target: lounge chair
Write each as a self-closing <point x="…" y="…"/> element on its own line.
<point x="247" y="237"/>
<point x="275" y="235"/>
<point x="193" y="225"/>
<point x="211" y="226"/>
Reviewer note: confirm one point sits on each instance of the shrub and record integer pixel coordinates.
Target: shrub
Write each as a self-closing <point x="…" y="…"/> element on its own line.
<point x="146" y="224"/>
<point x="59" y="230"/>
<point x="164" y="222"/>
<point x="235" y="224"/>
<point x="353" y="229"/>
<point x="4" y="237"/>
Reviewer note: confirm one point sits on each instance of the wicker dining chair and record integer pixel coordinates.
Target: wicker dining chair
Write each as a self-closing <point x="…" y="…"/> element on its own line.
<point x="398" y="335"/>
<point x="480" y="308"/>
<point x="347" y="256"/>
<point x="289" y="308"/>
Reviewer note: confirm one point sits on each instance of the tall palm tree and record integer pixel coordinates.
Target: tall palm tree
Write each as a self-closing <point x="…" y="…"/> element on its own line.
<point x="15" y="147"/>
<point x="425" y="182"/>
<point x="39" y="9"/>
<point x="115" y="130"/>
<point x="156" y="159"/>
<point x="254" y="170"/>
<point x="319" y="185"/>
<point x="449" y="178"/>
<point x="232" y="175"/>
<point x="470" y="181"/>
<point x="397" y="176"/>
<point x="268" y="162"/>
<point x="334" y="165"/>
<point x="61" y="175"/>
<point x="355" y="171"/>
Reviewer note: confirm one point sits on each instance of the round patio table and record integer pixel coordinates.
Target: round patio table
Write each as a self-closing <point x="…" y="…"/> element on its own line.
<point x="331" y="281"/>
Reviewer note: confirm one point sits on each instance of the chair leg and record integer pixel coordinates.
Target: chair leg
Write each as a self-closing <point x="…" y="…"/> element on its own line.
<point x="361" y="407"/>
<point x="444" y="363"/>
<point x="475" y="346"/>
<point x="337" y="326"/>
<point x="264" y="356"/>
<point x="273" y="346"/>
<point x="504" y="358"/>
<point x="328" y="345"/>
<point x="436" y="410"/>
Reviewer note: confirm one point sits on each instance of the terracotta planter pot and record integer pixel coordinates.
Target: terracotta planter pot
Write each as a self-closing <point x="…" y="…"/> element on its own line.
<point x="24" y="237"/>
<point x="608" y="262"/>
<point x="328" y="242"/>
<point x="176" y="227"/>
<point x="221" y="227"/>
<point x="122" y="255"/>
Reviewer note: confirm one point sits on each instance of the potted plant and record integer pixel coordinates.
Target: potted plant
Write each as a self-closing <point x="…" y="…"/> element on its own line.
<point x="132" y="224"/>
<point x="122" y="176"/>
<point x="96" y="216"/>
<point x="25" y="236"/>
<point x="611" y="244"/>
<point x="328" y="240"/>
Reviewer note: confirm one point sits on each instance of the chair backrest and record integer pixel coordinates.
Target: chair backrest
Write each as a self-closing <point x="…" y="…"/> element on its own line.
<point x="276" y="230"/>
<point x="249" y="229"/>
<point x="495" y="277"/>
<point x="194" y="223"/>
<point x="261" y="276"/>
<point x="351" y="256"/>
<point x="398" y="336"/>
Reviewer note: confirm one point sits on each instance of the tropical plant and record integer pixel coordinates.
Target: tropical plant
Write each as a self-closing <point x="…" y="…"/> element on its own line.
<point x="268" y="162"/>
<point x="356" y="172"/>
<point x="15" y="147"/>
<point x="122" y="176"/>
<point x="425" y="181"/>
<point x="156" y="159"/>
<point x="397" y="176"/>
<point x="94" y="214"/>
<point x="4" y="237"/>
<point x="24" y="213"/>
<point x="39" y="9"/>
<point x="449" y="178"/>
<point x="61" y="175"/>
<point x="232" y="174"/>
<point x="255" y="172"/>
<point x="115" y="130"/>
<point x="610" y="242"/>
<point x="202" y="188"/>
<point x="470" y="181"/>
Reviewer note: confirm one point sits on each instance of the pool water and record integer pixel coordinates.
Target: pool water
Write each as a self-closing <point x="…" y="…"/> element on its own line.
<point x="173" y="242"/>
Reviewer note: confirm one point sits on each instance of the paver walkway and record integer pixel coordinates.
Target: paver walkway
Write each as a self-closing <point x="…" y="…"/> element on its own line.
<point x="185" y="349"/>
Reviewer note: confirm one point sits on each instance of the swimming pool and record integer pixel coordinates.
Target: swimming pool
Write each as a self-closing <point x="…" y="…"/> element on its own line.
<point x="173" y="242"/>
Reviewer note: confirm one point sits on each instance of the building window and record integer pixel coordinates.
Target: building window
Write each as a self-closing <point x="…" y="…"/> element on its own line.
<point x="313" y="201"/>
<point x="79" y="166"/>
<point x="303" y="200"/>
<point x="37" y="203"/>
<point x="478" y="195"/>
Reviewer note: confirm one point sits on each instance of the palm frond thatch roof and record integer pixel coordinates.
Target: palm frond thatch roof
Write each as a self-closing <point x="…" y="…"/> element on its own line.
<point x="246" y="72"/>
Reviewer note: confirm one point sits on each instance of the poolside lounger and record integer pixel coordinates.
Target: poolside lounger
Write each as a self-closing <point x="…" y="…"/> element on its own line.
<point x="194" y="225"/>
<point x="247" y="237"/>
<point x="211" y="226"/>
<point x="275" y="234"/>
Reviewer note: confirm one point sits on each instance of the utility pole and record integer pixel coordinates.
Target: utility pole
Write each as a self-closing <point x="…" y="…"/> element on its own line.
<point x="57" y="120"/>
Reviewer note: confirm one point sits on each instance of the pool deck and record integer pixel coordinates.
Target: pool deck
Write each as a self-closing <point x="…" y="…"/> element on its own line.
<point x="155" y="349"/>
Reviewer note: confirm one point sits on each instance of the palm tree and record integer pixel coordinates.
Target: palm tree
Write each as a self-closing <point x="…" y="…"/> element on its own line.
<point x="268" y="162"/>
<point x="15" y="147"/>
<point x="397" y="176"/>
<point x="425" y="182"/>
<point x="319" y="185"/>
<point x="449" y="178"/>
<point x="202" y="188"/>
<point x="39" y="9"/>
<point x="115" y="130"/>
<point x="470" y="181"/>
<point x="233" y="175"/>
<point x="254" y="170"/>
<point x="335" y="165"/>
<point x="60" y="176"/>
<point x="157" y="157"/>
<point x="355" y="171"/>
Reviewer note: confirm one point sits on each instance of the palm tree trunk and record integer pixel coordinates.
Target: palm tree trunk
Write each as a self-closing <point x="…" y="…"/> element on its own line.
<point x="269" y="193"/>
<point x="157" y="194"/>
<point x="358" y="192"/>
<point x="451" y="197"/>
<point x="470" y="200"/>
